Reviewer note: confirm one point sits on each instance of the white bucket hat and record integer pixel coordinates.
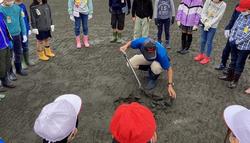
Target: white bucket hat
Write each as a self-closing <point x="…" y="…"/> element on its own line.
<point x="58" y="119"/>
<point x="237" y="119"/>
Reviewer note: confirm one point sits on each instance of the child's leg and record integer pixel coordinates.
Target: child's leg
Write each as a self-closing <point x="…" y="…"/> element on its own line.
<point x="120" y="27"/>
<point x="203" y="41"/>
<point x="138" y="28"/>
<point x="183" y="40"/>
<point x="210" y="37"/>
<point x="17" y="47"/>
<point x="48" y="51"/>
<point x="160" y="28"/>
<point x="114" y="21"/>
<point x="85" y="20"/>
<point x="77" y="26"/>
<point x="145" y="27"/>
<point x="167" y="30"/>
<point x="189" y="40"/>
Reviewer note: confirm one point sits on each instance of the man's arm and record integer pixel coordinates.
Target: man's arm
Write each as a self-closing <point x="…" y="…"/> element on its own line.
<point x="170" y="85"/>
<point x="125" y="47"/>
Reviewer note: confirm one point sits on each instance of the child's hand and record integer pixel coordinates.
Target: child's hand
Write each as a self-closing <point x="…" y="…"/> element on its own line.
<point x="195" y="28"/>
<point x="173" y="19"/>
<point x="178" y="23"/>
<point x="25" y="39"/>
<point x="133" y="19"/>
<point x="35" y="31"/>
<point x="72" y="18"/>
<point x="52" y="27"/>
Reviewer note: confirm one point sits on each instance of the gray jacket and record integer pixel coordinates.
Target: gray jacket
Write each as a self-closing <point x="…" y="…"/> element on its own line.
<point x="171" y="9"/>
<point x="41" y="17"/>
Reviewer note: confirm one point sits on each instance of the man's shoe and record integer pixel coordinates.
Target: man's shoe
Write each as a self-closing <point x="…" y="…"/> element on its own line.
<point x="151" y="80"/>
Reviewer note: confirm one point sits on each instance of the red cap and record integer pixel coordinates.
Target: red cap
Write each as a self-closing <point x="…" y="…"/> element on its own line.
<point x="132" y="123"/>
<point x="243" y="6"/>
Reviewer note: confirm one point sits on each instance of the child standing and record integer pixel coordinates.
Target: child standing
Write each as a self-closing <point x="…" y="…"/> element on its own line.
<point x="212" y="13"/>
<point x="118" y="9"/>
<point x="81" y="11"/>
<point x="41" y="22"/>
<point x="25" y="60"/>
<point x="15" y="23"/>
<point x="188" y="18"/>
<point x="164" y="15"/>
<point x="5" y="59"/>
<point x="142" y="13"/>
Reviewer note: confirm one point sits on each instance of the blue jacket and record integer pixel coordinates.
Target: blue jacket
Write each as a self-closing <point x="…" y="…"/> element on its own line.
<point x="25" y="17"/>
<point x="14" y="19"/>
<point x="233" y="19"/>
<point x="118" y="7"/>
<point x="162" y="54"/>
<point x="4" y="34"/>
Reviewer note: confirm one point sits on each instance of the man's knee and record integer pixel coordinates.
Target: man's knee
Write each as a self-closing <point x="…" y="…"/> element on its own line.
<point x="156" y="68"/>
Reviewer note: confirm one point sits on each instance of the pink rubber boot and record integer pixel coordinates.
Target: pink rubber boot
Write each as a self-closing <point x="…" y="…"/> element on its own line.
<point x="78" y="42"/>
<point x="86" y="41"/>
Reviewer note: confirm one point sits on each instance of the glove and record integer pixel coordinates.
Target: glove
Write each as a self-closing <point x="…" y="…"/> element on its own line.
<point x="30" y="32"/>
<point x="52" y="27"/>
<point x="90" y="17"/>
<point x="173" y="19"/>
<point x="195" y="28"/>
<point x="72" y="18"/>
<point x="25" y="39"/>
<point x="227" y="33"/>
<point x="35" y="31"/>
<point x="156" y="22"/>
<point x="178" y="23"/>
<point x="207" y="26"/>
<point x="128" y="12"/>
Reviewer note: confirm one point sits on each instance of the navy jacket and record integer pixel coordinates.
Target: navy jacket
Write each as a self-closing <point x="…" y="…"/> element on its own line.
<point x="117" y="6"/>
<point x="233" y="19"/>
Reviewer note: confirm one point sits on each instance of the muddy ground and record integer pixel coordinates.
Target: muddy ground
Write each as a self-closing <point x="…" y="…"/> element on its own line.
<point x="99" y="76"/>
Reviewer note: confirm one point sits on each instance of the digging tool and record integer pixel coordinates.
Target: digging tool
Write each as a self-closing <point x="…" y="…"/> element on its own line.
<point x="130" y="66"/>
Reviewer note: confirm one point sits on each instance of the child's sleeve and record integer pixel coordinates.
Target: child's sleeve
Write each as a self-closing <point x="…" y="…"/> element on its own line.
<point x="22" y="23"/>
<point x="179" y="11"/>
<point x="219" y="17"/>
<point x="70" y="6"/>
<point x="172" y="7"/>
<point x="198" y="14"/>
<point x="90" y="6"/>
<point x="28" y="20"/>
<point x="50" y="14"/>
<point x="234" y="29"/>
<point x="205" y="8"/>
<point x="155" y="9"/>
<point x="129" y="4"/>
<point x="33" y="18"/>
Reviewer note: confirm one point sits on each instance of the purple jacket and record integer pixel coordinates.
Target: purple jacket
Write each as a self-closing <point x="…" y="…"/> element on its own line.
<point x="189" y="12"/>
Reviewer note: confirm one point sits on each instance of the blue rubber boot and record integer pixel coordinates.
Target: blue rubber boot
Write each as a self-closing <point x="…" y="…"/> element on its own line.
<point x="151" y="80"/>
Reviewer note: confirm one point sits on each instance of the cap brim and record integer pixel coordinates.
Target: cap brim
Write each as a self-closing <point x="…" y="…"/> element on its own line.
<point x="75" y="100"/>
<point x="230" y="112"/>
<point x="239" y="9"/>
<point x="149" y="55"/>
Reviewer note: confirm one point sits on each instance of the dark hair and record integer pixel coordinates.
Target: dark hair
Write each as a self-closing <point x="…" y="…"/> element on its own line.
<point x="35" y="2"/>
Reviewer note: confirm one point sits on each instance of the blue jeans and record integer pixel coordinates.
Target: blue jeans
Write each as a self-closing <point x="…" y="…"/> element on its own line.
<point x="226" y="53"/>
<point x="238" y="59"/>
<point x="83" y="18"/>
<point x="207" y="40"/>
<point x="163" y="23"/>
<point x="17" y="48"/>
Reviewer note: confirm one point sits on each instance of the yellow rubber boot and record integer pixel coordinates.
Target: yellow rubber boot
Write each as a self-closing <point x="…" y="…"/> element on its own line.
<point x="48" y="52"/>
<point x="42" y="56"/>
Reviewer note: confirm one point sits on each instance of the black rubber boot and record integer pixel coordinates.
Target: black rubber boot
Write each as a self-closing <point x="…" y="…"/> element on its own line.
<point x="144" y="67"/>
<point x="11" y="74"/>
<point x="27" y="59"/>
<point x="228" y="77"/>
<point x="233" y="84"/>
<point x="2" y="88"/>
<point x="19" y="69"/>
<point x="152" y="80"/>
<point x="7" y="83"/>
<point x="114" y="37"/>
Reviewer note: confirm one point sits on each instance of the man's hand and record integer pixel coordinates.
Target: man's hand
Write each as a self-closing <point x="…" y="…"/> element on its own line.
<point x="133" y="19"/>
<point x="123" y="49"/>
<point x="171" y="91"/>
<point x="227" y="33"/>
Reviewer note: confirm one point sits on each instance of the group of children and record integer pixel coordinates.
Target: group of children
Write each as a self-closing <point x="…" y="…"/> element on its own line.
<point x="14" y="32"/>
